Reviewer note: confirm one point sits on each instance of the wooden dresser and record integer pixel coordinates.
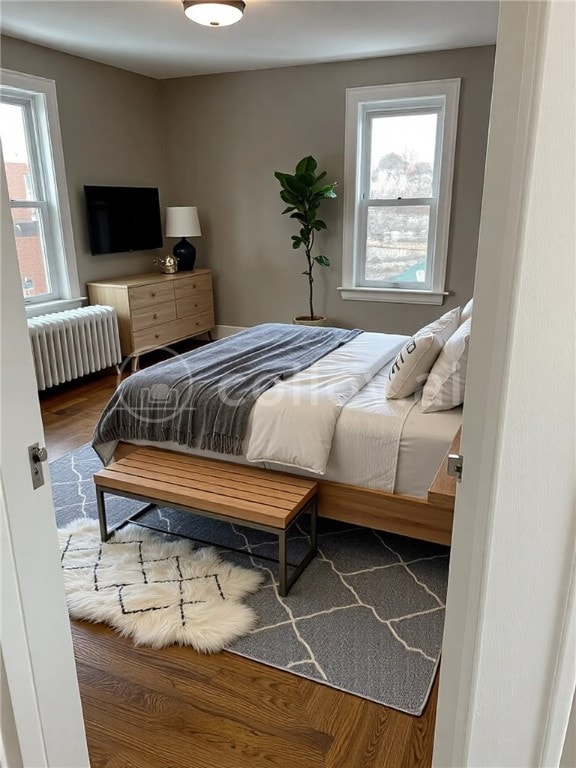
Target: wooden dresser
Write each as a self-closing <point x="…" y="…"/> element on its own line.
<point x="157" y="309"/>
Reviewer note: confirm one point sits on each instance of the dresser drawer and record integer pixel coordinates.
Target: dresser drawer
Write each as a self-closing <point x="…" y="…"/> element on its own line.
<point x="202" y="322"/>
<point x="144" y="296"/>
<point x="166" y="333"/>
<point x="200" y="301"/>
<point x="154" y="315"/>
<point x="187" y="286"/>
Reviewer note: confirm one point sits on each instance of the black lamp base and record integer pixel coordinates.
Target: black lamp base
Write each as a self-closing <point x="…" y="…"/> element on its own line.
<point x="185" y="254"/>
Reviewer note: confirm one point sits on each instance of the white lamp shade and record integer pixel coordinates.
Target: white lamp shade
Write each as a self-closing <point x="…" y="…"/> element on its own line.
<point x="182" y="221"/>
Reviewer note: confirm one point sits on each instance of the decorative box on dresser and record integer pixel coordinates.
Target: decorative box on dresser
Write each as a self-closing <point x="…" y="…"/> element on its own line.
<point x="157" y="309"/>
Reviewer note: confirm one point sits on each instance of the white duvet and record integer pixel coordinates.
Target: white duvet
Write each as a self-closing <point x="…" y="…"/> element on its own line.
<point x="293" y="423"/>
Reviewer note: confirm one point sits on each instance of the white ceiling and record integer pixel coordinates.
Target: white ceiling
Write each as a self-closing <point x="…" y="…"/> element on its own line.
<point x="154" y="38"/>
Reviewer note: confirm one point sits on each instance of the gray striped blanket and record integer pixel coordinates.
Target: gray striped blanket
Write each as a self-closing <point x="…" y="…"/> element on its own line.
<point x="205" y="396"/>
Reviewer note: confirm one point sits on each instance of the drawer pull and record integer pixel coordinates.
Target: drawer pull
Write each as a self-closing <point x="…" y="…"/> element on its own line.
<point x="193" y="285"/>
<point x="153" y="294"/>
<point x="157" y="335"/>
<point x="155" y="317"/>
<point x="197" y="322"/>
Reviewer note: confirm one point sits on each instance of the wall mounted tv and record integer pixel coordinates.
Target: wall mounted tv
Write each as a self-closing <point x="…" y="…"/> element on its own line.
<point x="123" y="219"/>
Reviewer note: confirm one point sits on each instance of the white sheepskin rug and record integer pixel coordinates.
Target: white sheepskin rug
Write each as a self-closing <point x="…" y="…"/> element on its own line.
<point x="157" y="592"/>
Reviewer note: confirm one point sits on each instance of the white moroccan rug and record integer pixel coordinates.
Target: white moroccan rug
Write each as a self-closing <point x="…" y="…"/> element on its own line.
<point x="155" y="591"/>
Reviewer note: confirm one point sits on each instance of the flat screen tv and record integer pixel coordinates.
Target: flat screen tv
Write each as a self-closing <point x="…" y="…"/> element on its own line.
<point x="123" y="219"/>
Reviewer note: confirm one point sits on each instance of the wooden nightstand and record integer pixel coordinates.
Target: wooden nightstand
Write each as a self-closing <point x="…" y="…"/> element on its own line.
<point x="157" y="309"/>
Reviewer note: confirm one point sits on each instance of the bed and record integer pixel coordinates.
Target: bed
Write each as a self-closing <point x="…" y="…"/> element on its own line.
<point x="375" y="458"/>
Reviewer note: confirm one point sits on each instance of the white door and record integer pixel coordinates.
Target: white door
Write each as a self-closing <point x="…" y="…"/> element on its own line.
<point x="44" y="725"/>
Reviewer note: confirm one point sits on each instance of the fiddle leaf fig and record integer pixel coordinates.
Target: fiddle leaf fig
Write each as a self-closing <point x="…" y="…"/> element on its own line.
<point x="308" y="179"/>
<point x="293" y="185"/>
<point x="288" y="198"/>
<point x="303" y="194"/>
<point x="307" y="164"/>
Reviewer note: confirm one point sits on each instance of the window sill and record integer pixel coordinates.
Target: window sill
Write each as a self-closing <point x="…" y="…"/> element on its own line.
<point x="46" y="308"/>
<point x="395" y="295"/>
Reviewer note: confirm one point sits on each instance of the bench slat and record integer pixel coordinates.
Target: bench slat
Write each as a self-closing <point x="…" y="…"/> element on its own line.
<point x="246" y="471"/>
<point x="190" y="484"/>
<point x="223" y="477"/>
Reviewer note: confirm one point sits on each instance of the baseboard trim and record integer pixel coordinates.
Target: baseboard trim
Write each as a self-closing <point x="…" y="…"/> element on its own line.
<point x="221" y="331"/>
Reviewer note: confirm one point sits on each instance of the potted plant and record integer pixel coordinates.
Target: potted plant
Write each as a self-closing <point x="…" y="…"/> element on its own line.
<point x="304" y="193"/>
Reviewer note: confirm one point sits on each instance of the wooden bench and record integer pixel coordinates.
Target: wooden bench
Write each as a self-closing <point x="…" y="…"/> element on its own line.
<point x="267" y="501"/>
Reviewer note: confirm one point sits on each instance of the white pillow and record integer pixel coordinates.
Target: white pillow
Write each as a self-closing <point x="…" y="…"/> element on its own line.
<point x="444" y="388"/>
<point x="466" y="312"/>
<point x="444" y="326"/>
<point x="412" y="364"/>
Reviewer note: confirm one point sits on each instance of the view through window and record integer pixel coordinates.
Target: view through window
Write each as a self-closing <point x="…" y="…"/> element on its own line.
<point x="28" y="201"/>
<point x="400" y="190"/>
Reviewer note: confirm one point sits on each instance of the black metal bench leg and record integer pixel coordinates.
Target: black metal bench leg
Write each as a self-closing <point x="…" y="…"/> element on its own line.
<point x="314" y="527"/>
<point x="104" y="535"/>
<point x="286" y="582"/>
<point x="283" y="586"/>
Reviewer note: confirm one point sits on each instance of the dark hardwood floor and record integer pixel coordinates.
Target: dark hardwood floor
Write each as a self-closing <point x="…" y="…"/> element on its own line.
<point x="175" y="708"/>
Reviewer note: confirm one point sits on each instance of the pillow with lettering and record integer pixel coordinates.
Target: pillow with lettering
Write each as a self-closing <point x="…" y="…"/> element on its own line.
<point x="412" y="365"/>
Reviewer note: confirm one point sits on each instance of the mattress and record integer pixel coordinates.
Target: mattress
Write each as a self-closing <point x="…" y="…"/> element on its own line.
<point x="358" y="443"/>
<point x="425" y="441"/>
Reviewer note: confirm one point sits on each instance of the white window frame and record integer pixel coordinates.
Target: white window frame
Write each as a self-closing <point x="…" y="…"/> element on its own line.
<point x="38" y="96"/>
<point x="442" y="97"/>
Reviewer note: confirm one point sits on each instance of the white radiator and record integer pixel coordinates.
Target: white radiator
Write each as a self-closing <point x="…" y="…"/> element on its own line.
<point x="66" y="345"/>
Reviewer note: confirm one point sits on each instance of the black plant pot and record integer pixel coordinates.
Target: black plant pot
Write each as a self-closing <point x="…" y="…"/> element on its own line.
<point x="185" y="254"/>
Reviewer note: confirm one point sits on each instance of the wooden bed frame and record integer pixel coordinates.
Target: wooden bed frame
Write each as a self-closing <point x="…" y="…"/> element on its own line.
<point x="429" y="520"/>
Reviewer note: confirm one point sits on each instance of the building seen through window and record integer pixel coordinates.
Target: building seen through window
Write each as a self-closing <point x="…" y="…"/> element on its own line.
<point x="402" y="169"/>
<point x="34" y="167"/>
<point x="25" y="205"/>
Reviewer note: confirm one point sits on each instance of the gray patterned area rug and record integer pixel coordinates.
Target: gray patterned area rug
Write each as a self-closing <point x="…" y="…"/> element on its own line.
<point x="366" y="616"/>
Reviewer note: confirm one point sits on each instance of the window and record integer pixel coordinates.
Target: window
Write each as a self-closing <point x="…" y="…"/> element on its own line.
<point x="34" y="166"/>
<point x="400" y="142"/>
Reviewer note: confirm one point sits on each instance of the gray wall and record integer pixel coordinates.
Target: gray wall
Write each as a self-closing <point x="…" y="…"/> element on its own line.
<point x="215" y="141"/>
<point x="111" y="123"/>
<point x="227" y="134"/>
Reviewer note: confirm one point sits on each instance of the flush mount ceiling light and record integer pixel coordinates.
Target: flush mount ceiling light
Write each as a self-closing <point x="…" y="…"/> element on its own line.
<point x="214" y="13"/>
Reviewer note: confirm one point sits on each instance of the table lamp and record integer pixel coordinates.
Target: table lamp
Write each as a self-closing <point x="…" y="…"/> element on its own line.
<point x="182" y="221"/>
